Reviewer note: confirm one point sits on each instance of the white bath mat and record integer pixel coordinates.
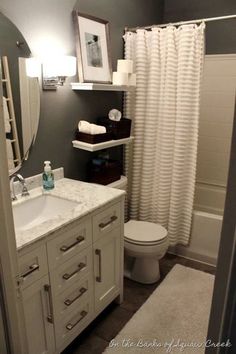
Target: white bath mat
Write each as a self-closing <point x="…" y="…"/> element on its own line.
<point x="173" y="319"/>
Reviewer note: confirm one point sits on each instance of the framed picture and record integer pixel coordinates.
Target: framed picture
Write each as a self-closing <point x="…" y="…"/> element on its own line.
<point x="93" y="48"/>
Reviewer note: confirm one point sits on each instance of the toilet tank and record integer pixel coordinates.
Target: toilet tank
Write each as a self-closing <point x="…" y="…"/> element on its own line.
<point x="120" y="184"/>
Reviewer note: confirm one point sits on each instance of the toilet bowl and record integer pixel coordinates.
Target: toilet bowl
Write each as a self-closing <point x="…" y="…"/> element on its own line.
<point x="145" y="244"/>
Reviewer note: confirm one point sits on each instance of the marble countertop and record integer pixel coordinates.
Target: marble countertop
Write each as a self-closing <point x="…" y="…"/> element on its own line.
<point x="89" y="197"/>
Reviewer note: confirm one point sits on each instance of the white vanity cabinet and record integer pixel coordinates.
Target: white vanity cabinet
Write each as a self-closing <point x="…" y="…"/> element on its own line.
<point x="106" y="269"/>
<point x="107" y="255"/>
<point x="37" y="301"/>
<point x="71" y="277"/>
<point x="38" y="320"/>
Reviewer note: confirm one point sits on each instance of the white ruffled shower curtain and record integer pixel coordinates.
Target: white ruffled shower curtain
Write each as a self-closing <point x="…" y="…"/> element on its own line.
<point x="161" y="164"/>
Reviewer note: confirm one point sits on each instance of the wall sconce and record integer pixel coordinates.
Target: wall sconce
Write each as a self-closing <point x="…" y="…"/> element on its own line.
<point x="33" y="67"/>
<point x="56" y="70"/>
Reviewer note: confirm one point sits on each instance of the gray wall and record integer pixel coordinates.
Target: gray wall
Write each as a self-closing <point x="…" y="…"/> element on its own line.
<point x="220" y="35"/>
<point x="43" y="21"/>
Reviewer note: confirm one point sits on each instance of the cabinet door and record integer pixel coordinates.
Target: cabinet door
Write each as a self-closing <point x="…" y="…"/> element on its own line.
<point x="107" y="268"/>
<point x="38" y="318"/>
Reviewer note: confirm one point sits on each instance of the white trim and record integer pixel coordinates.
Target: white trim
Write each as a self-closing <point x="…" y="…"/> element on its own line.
<point x="100" y="87"/>
<point x="106" y="144"/>
<point x="221" y="56"/>
<point x="8" y="253"/>
<point x="227" y="290"/>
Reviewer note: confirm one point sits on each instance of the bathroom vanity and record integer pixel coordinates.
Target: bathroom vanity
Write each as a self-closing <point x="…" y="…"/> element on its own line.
<point x="71" y="265"/>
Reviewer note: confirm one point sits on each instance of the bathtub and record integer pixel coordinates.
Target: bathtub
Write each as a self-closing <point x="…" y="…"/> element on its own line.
<point x="206" y="225"/>
<point x="210" y="198"/>
<point x="204" y="239"/>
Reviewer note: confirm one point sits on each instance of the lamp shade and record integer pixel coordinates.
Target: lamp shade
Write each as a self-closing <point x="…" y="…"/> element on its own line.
<point x="60" y="66"/>
<point x="33" y="67"/>
<point x="67" y="66"/>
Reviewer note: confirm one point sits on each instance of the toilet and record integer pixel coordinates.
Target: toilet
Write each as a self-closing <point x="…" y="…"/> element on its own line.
<point x="145" y="244"/>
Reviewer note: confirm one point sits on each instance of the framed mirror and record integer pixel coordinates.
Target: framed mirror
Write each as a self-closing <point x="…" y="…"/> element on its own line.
<point x="21" y="95"/>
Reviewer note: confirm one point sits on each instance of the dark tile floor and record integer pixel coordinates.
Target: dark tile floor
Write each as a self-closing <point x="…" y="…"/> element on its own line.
<point x="96" y="337"/>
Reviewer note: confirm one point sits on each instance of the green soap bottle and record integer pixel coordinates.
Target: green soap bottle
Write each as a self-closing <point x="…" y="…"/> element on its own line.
<point x="48" y="176"/>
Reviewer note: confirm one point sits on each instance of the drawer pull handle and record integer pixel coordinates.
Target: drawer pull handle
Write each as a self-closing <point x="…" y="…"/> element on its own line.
<point x="102" y="225"/>
<point x="70" y="326"/>
<point x="68" y="302"/>
<point x="67" y="276"/>
<point x="79" y="239"/>
<point x="99" y="254"/>
<point x="47" y="289"/>
<point x="32" y="269"/>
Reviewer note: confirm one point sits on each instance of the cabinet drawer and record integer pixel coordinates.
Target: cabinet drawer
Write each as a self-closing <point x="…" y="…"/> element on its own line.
<point x="71" y="271"/>
<point x="106" y="221"/>
<point x="69" y="243"/>
<point x="71" y="326"/>
<point x="69" y="300"/>
<point x="33" y="265"/>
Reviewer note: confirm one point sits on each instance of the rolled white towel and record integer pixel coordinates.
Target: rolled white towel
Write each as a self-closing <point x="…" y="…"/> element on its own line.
<point x="6" y="116"/>
<point x="84" y="127"/>
<point x="97" y="129"/>
<point x="89" y="128"/>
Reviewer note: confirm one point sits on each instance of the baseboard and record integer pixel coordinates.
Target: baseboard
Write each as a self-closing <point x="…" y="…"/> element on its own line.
<point x="185" y="253"/>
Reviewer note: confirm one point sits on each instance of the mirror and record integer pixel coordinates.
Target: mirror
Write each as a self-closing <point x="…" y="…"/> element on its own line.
<point x="21" y="95"/>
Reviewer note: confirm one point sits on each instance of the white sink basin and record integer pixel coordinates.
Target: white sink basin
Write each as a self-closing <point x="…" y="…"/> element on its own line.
<point x="34" y="212"/>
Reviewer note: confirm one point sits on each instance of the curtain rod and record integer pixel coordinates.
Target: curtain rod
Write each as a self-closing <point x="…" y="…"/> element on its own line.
<point x="209" y="19"/>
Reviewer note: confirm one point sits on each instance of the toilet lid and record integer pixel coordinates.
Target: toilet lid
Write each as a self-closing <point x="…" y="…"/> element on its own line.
<point x="144" y="232"/>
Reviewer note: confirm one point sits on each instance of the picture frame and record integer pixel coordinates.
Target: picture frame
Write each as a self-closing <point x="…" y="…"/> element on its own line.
<point x="93" y="48"/>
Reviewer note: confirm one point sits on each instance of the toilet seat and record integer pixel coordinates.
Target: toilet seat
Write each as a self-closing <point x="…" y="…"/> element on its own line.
<point x="145" y="244"/>
<point x="144" y="233"/>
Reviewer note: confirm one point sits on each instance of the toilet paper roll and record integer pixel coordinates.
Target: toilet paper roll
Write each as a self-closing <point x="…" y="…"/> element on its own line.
<point x="125" y="66"/>
<point x="120" y="78"/>
<point x="115" y="115"/>
<point x="132" y="79"/>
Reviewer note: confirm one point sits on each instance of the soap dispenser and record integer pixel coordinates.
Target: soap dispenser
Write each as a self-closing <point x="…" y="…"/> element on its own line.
<point x="48" y="176"/>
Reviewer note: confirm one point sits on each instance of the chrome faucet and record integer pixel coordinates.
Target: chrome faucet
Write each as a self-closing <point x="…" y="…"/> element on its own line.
<point x="22" y="182"/>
